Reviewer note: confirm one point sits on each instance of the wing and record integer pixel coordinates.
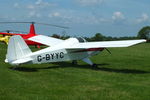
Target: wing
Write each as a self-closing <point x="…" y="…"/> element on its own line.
<point x="106" y="44"/>
<point x="49" y="41"/>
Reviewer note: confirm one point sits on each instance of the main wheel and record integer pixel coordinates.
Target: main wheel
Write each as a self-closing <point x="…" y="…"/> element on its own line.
<point x="94" y="66"/>
<point x="74" y="62"/>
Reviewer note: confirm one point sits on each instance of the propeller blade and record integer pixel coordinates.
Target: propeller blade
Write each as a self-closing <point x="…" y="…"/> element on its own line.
<point x="13" y="22"/>
<point x="13" y="31"/>
<point x="59" y="26"/>
<point x="54" y="25"/>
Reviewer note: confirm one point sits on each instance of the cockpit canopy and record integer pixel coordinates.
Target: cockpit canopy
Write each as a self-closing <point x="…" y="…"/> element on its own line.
<point x="81" y="39"/>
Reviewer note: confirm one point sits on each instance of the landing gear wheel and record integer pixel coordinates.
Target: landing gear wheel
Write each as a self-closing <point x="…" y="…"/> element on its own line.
<point x="14" y="68"/>
<point x="74" y="62"/>
<point x="94" y="66"/>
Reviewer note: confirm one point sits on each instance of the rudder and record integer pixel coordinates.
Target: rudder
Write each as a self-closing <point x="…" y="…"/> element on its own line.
<point x="17" y="48"/>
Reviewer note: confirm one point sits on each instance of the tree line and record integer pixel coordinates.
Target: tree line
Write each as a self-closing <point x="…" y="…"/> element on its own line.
<point x="144" y="33"/>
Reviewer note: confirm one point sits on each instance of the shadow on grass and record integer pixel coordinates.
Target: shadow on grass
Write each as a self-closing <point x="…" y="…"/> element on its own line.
<point x="67" y="65"/>
<point x="125" y="71"/>
<point x="102" y="68"/>
<point x="24" y="69"/>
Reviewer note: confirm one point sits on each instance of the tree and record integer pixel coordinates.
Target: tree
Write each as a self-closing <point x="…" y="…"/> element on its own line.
<point x="144" y="33"/>
<point x="98" y="37"/>
<point x="56" y="36"/>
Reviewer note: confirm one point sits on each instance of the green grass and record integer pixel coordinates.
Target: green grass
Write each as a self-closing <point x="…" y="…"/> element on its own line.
<point x="123" y="75"/>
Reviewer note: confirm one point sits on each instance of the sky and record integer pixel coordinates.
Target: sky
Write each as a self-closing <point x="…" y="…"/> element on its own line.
<point x="116" y="18"/>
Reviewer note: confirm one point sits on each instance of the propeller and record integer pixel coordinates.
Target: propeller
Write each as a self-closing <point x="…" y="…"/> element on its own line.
<point x="108" y="50"/>
<point x="59" y="26"/>
<point x="8" y="31"/>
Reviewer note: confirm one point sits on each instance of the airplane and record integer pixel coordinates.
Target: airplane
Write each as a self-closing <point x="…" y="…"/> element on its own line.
<point x="4" y="36"/>
<point x="71" y="49"/>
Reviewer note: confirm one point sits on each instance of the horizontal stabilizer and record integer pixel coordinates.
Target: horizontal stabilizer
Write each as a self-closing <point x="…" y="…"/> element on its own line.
<point x="21" y="61"/>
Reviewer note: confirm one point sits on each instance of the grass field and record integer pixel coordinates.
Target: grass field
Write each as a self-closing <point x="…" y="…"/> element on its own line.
<point x="123" y="75"/>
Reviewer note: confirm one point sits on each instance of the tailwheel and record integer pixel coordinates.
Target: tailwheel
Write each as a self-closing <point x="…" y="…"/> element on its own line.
<point x="74" y="62"/>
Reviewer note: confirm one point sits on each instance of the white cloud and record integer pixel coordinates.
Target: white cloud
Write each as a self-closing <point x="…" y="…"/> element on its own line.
<point x="89" y="2"/>
<point x="54" y="14"/>
<point x="118" y="16"/>
<point x="34" y="14"/>
<point x="74" y="16"/>
<point x="42" y="3"/>
<point x="31" y="7"/>
<point x="38" y="2"/>
<point x="16" y="5"/>
<point x="35" y="8"/>
<point x="144" y="18"/>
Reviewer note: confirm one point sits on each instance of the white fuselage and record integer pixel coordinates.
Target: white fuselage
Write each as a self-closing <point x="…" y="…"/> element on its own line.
<point x="18" y="51"/>
<point x="59" y="53"/>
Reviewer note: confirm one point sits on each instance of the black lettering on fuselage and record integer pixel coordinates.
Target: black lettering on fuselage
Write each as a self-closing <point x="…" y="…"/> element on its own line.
<point x="61" y="55"/>
<point x="57" y="55"/>
<point x="47" y="57"/>
<point x="51" y="56"/>
<point x="39" y="58"/>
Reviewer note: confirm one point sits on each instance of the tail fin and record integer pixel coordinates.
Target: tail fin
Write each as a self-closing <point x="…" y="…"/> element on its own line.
<point x="17" y="49"/>
<point x="32" y="30"/>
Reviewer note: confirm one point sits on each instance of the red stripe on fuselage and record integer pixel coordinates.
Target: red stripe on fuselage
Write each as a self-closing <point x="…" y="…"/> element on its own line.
<point x="90" y="49"/>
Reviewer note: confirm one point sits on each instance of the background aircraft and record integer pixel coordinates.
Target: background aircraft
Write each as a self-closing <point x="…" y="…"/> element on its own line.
<point x="60" y="50"/>
<point x="4" y="36"/>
